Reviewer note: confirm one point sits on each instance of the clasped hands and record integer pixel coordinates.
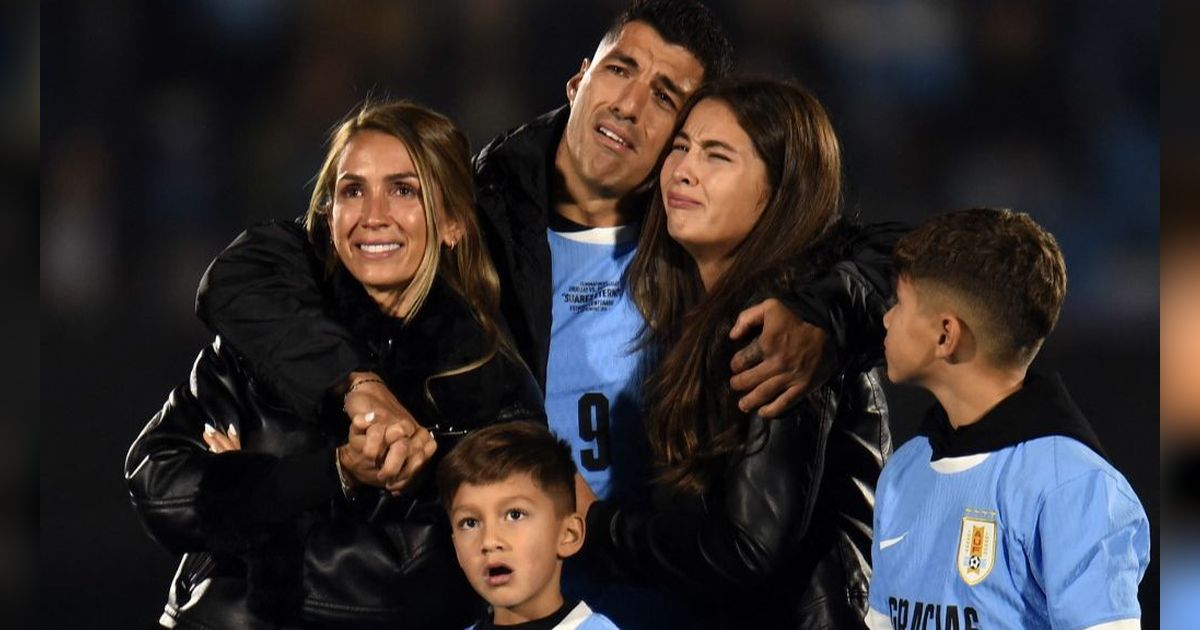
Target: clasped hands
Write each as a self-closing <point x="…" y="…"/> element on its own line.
<point x="387" y="447"/>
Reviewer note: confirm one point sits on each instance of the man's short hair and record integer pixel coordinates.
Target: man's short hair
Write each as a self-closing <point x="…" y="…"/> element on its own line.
<point x="997" y="264"/>
<point x="686" y="23"/>
<point x="495" y="453"/>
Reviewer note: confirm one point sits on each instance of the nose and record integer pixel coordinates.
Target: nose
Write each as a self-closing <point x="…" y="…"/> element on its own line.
<point x="887" y="318"/>
<point x="630" y="101"/>
<point x="375" y="209"/>
<point x="683" y="173"/>
<point x="491" y="539"/>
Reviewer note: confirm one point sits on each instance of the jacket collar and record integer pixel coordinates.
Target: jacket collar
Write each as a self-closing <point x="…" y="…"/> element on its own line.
<point x="1042" y="407"/>
<point x="525" y="157"/>
<point x="442" y="334"/>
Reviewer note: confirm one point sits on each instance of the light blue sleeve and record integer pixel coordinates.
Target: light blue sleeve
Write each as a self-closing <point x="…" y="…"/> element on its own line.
<point x="596" y="621"/>
<point x="1090" y="550"/>
<point x="877" y="594"/>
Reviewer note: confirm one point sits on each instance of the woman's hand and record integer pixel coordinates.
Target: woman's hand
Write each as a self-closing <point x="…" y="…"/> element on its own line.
<point x="385" y="454"/>
<point x="222" y="441"/>
<point x="366" y="393"/>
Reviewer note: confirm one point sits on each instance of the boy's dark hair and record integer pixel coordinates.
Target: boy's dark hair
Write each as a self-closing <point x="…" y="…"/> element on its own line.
<point x="686" y="23"/>
<point x="497" y="452"/>
<point x="1005" y="267"/>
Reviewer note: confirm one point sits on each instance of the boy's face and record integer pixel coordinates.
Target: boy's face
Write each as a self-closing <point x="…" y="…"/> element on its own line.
<point x="912" y="336"/>
<point x="510" y="542"/>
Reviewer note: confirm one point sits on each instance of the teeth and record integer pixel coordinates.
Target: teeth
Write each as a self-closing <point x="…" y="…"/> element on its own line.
<point x="378" y="248"/>
<point x="612" y="135"/>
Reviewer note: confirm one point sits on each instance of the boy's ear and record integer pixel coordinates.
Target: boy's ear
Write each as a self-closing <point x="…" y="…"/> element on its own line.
<point x="953" y="338"/>
<point x="571" y="534"/>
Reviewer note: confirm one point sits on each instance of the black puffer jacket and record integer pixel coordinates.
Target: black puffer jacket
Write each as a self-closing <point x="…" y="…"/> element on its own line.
<point x="269" y="539"/>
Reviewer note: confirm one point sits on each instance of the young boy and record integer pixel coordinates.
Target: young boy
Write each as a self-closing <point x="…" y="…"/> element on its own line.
<point x="1003" y="512"/>
<point x="510" y="492"/>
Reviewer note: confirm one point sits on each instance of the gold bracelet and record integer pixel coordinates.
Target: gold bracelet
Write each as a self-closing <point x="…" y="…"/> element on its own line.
<point x="355" y="384"/>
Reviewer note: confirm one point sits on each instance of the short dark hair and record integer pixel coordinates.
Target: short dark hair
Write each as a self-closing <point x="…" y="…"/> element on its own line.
<point x="1007" y="268"/>
<point x="685" y="23"/>
<point x="497" y="452"/>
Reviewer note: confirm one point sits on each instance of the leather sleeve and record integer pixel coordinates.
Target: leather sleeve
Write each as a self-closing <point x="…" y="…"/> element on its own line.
<point x="264" y="294"/>
<point x="849" y="301"/>
<point x="191" y="499"/>
<point x="743" y="537"/>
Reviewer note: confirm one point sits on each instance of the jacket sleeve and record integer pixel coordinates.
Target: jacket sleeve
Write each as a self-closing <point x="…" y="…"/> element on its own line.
<point x="191" y="499"/>
<point x="849" y="301"/>
<point x="743" y="539"/>
<point x="263" y="294"/>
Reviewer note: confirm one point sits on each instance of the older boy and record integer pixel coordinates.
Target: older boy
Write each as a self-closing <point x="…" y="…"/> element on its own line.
<point x="510" y="492"/>
<point x="1003" y="511"/>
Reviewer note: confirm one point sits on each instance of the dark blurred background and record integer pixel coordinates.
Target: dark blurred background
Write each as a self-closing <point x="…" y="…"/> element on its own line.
<point x="167" y="127"/>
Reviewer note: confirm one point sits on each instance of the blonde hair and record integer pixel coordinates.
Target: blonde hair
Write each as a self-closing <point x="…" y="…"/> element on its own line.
<point x="442" y="157"/>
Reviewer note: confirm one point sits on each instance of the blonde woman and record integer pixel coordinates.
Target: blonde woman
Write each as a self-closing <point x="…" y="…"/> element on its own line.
<point x="289" y="516"/>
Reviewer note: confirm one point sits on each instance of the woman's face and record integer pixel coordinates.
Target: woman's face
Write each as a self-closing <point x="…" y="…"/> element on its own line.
<point x="714" y="185"/>
<point x="378" y="217"/>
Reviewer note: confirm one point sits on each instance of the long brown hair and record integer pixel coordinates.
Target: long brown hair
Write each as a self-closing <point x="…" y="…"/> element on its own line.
<point x="692" y="418"/>
<point x="442" y="157"/>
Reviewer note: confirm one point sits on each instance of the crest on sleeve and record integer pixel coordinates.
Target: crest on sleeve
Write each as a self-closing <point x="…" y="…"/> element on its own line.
<point x="977" y="546"/>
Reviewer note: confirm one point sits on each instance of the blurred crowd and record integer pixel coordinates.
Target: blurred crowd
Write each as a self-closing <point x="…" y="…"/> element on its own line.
<point x="182" y="122"/>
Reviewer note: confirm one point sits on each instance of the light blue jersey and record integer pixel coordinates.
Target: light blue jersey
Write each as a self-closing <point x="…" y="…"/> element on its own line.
<point x="593" y="383"/>
<point x="592" y="376"/>
<point x="1043" y="533"/>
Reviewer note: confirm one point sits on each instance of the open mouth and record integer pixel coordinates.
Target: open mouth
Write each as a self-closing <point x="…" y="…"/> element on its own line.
<point x="614" y="137"/>
<point x="499" y="574"/>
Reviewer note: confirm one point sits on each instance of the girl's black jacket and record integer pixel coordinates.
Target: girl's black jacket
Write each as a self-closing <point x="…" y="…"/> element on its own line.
<point x="781" y="537"/>
<point x="267" y="537"/>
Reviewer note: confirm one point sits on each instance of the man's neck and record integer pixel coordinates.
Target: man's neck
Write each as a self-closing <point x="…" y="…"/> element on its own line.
<point x="580" y="203"/>
<point x="592" y="213"/>
<point x="968" y="392"/>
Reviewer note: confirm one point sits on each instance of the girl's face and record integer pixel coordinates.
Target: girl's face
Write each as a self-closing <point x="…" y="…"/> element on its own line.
<point x="714" y="185"/>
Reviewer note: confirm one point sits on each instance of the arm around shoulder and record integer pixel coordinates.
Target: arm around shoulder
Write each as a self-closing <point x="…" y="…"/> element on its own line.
<point x="849" y="300"/>
<point x="265" y="293"/>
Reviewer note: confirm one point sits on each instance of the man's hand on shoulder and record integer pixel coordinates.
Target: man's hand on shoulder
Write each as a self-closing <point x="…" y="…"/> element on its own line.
<point x="787" y="359"/>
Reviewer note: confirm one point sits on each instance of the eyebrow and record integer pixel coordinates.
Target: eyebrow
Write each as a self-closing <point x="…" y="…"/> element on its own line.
<point x="393" y="176"/>
<point x="709" y="144"/>
<point x="667" y="83"/>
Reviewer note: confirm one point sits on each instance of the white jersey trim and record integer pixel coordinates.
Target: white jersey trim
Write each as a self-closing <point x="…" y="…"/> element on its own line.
<point x="577" y="616"/>
<point x="603" y="235"/>
<point x="951" y="465"/>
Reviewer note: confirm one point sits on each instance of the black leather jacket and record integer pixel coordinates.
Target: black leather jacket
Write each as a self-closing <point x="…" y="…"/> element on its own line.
<point x="783" y="540"/>
<point x="270" y="541"/>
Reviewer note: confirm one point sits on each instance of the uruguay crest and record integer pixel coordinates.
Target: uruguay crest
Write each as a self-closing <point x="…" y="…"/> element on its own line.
<point x="977" y="546"/>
